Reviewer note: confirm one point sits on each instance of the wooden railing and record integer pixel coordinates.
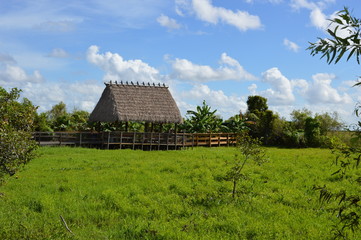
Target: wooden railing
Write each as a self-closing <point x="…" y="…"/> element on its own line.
<point x="135" y="140"/>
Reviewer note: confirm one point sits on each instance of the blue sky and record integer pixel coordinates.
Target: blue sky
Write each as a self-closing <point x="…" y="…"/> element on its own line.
<point x="220" y="51"/>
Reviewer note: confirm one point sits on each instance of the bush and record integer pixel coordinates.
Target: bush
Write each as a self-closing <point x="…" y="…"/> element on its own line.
<point x="16" y="126"/>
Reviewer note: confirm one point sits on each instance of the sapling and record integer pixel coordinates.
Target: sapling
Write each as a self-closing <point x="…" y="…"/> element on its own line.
<point x="250" y="149"/>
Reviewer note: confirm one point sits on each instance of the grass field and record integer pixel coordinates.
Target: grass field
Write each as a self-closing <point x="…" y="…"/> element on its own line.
<point x="125" y="194"/>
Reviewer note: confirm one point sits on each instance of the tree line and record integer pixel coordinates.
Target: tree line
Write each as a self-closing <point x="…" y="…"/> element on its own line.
<point x="304" y="129"/>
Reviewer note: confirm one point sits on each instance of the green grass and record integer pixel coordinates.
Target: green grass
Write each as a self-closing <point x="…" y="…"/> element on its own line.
<point x="125" y="194"/>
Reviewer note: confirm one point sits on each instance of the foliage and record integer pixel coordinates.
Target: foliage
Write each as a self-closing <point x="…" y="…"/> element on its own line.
<point x="203" y="120"/>
<point x="16" y="126"/>
<point x="312" y="132"/>
<point x="298" y="118"/>
<point x="236" y="124"/>
<point x="250" y="149"/>
<point x="256" y="104"/>
<point x="348" y="210"/>
<point x="335" y="47"/>
<point x="125" y="194"/>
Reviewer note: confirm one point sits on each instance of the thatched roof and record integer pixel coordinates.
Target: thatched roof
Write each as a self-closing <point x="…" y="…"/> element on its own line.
<point x="136" y="102"/>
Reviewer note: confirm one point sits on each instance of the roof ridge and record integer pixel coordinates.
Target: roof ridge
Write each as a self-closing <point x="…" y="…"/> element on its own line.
<point x="143" y="84"/>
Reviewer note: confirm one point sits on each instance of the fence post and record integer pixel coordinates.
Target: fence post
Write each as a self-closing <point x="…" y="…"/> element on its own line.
<point x="133" y="140"/>
<point x="210" y="140"/>
<point x="167" y="140"/>
<point x="183" y="139"/>
<point x="108" y="140"/>
<point x="80" y="138"/>
<point x="60" y="140"/>
<point x="121" y="140"/>
<point x="158" y="141"/>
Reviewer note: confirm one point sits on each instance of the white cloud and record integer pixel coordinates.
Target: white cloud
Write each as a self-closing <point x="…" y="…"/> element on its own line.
<point x="317" y="17"/>
<point x="281" y="91"/>
<point x="291" y="45"/>
<point x="226" y="106"/>
<point x="242" y="20"/>
<point x="58" y="53"/>
<point x="118" y="69"/>
<point x="14" y="74"/>
<point x="321" y="91"/>
<point x="168" y="22"/>
<point x="252" y="89"/>
<point x="230" y="69"/>
<point x="80" y="95"/>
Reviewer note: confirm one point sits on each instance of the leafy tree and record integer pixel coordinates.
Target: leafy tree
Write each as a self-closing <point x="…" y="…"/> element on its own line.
<point x="250" y="150"/>
<point x="312" y="132"/>
<point x="203" y="120"/>
<point x="41" y="123"/>
<point x="57" y="111"/>
<point x="298" y="118"/>
<point x="334" y="48"/>
<point x="256" y="104"/>
<point x="329" y="122"/>
<point x="236" y="124"/>
<point x="16" y="126"/>
<point x="257" y="111"/>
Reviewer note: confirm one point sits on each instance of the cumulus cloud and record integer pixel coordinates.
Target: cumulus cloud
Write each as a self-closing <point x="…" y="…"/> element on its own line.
<point x="317" y="17"/>
<point x="226" y="106"/>
<point x="291" y="45"/>
<point x="230" y="69"/>
<point x="281" y="91"/>
<point x="168" y="22"/>
<point x="11" y="73"/>
<point x="118" y="69"/>
<point x="80" y="95"/>
<point x="205" y="11"/>
<point x="321" y="90"/>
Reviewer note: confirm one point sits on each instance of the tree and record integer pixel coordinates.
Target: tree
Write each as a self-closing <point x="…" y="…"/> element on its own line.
<point x="250" y="149"/>
<point x="345" y="37"/>
<point x="16" y="126"/>
<point x="203" y="120"/>
<point x="256" y="104"/>
<point x="298" y="118"/>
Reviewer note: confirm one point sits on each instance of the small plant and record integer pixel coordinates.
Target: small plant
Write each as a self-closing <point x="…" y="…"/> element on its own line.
<point x="250" y="149"/>
<point x="348" y="210"/>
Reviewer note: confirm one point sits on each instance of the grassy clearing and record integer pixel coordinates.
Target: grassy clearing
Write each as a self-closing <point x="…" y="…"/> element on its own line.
<point x="125" y="194"/>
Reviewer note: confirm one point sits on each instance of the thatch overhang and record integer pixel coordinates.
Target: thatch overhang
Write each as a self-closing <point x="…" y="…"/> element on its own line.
<point x="136" y="102"/>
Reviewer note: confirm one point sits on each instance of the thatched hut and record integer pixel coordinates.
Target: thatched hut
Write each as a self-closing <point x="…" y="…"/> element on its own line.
<point x="123" y="102"/>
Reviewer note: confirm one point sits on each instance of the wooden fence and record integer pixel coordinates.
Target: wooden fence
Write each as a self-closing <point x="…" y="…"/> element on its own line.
<point x="135" y="140"/>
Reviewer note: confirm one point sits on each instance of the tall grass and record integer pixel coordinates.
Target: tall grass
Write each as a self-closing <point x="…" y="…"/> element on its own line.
<point x="125" y="194"/>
